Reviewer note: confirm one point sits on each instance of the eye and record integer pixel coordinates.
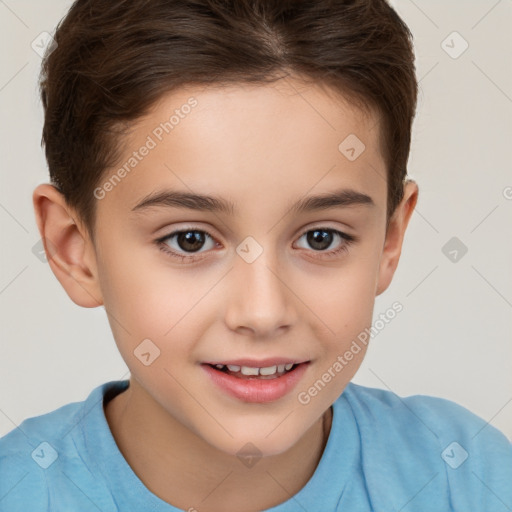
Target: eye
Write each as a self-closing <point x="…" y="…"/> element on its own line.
<point x="321" y="239"/>
<point x="186" y="244"/>
<point x="186" y="240"/>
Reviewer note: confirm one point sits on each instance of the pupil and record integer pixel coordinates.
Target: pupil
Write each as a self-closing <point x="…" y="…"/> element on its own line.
<point x="190" y="240"/>
<point x="317" y="239"/>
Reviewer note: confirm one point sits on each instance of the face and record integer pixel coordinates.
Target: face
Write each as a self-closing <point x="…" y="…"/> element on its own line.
<point x="258" y="276"/>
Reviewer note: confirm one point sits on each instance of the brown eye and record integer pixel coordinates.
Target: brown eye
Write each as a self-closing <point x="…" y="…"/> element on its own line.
<point x="319" y="239"/>
<point x="186" y="243"/>
<point x="190" y="241"/>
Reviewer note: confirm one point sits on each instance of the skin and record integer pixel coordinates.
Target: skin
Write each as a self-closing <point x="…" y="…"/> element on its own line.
<point x="263" y="148"/>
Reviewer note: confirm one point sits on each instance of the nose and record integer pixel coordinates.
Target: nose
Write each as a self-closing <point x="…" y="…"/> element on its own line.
<point x="260" y="300"/>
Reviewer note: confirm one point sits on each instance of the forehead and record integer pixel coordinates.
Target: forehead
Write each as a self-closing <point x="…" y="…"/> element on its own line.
<point x="245" y="140"/>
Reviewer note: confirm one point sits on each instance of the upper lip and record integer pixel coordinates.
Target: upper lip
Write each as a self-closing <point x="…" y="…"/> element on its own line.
<point x="259" y="363"/>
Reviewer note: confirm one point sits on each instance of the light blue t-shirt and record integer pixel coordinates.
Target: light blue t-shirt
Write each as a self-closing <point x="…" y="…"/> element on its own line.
<point x="384" y="454"/>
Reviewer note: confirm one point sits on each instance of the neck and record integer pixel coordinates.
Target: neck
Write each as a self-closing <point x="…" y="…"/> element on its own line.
<point x="160" y="449"/>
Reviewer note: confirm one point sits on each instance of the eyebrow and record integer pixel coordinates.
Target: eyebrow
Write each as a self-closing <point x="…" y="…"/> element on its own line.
<point x="176" y="199"/>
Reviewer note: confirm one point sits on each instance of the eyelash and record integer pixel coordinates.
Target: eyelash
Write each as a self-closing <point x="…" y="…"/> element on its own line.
<point x="348" y="241"/>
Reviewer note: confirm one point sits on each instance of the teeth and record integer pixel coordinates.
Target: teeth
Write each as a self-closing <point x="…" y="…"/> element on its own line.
<point x="246" y="370"/>
<point x="269" y="370"/>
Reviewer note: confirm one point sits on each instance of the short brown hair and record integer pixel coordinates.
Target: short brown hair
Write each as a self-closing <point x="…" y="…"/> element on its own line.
<point x="115" y="58"/>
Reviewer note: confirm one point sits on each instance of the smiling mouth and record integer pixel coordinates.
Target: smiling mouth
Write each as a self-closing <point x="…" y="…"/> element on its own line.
<point x="247" y="372"/>
<point x="263" y="382"/>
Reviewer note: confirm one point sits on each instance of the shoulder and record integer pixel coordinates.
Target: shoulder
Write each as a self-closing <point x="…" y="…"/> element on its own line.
<point x="40" y="456"/>
<point x="26" y="452"/>
<point x="49" y="425"/>
<point x="440" y="418"/>
<point x="461" y="455"/>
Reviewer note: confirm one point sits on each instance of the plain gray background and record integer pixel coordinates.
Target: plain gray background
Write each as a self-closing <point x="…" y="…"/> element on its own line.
<point x="453" y="337"/>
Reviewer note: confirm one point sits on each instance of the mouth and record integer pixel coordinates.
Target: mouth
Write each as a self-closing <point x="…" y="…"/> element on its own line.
<point x="255" y="372"/>
<point x="256" y="381"/>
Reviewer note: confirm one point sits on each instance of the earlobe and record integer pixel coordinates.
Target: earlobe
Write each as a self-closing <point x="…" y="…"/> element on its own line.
<point x="67" y="245"/>
<point x="395" y="236"/>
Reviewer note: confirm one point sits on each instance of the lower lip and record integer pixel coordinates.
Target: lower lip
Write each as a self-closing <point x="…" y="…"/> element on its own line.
<point x="256" y="390"/>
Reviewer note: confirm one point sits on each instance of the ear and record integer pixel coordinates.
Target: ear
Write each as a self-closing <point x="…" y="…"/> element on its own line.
<point x="69" y="250"/>
<point x="395" y="236"/>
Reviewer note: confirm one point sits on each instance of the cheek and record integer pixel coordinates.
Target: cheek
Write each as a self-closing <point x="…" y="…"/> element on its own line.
<point x="146" y="299"/>
<point x="342" y="297"/>
<point x="139" y="291"/>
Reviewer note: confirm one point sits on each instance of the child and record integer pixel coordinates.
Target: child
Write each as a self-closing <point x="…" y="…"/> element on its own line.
<point x="273" y="136"/>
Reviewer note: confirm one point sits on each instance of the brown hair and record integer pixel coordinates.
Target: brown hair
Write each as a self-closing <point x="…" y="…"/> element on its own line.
<point x="115" y="58"/>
